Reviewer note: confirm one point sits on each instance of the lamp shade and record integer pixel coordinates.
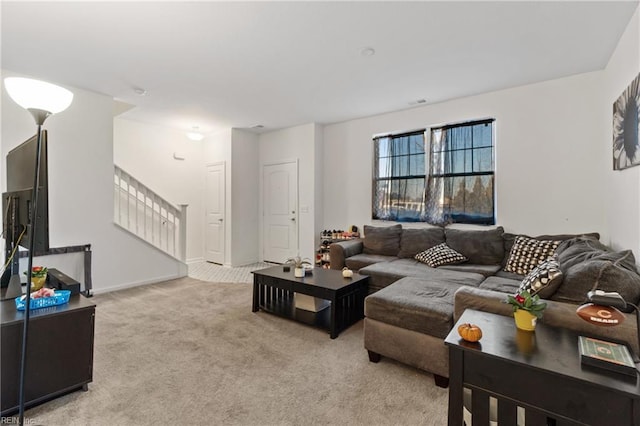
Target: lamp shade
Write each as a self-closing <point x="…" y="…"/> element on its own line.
<point x="36" y="94"/>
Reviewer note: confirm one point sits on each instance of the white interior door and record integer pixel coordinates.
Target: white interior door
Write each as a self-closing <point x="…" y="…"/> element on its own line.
<point x="280" y="203"/>
<point x="214" y="210"/>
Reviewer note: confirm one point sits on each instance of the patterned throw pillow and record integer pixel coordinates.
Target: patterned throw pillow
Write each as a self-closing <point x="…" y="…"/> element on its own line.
<point x="527" y="253"/>
<point x="544" y="279"/>
<point x="439" y="255"/>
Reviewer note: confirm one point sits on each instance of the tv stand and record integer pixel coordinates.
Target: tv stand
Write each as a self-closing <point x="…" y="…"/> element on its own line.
<point x="59" y="356"/>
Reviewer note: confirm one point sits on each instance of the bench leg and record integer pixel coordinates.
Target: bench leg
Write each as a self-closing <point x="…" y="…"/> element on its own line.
<point x="442" y="382"/>
<point x="373" y="357"/>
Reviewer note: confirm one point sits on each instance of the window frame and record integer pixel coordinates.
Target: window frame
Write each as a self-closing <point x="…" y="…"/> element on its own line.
<point x="427" y="135"/>
<point x="492" y="173"/>
<point x="377" y="178"/>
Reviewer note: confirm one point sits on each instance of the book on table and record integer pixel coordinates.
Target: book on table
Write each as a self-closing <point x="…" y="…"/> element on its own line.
<point x="608" y="355"/>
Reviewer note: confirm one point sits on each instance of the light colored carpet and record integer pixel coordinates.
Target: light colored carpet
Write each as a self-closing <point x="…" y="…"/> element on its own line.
<point x="187" y="352"/>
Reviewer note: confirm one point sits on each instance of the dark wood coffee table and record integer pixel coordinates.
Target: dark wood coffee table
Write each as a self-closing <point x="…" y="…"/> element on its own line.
<point x="540" y="372"/>
<point x="274" y="289"/>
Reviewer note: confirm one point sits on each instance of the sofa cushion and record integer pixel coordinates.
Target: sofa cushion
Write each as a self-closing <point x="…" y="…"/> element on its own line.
<point x="527" y="253"/>
<point x="485" y="270"/>
<point x="588" y="265"/>
<point x="578" y="250"/>
<point x="509" y="239"/>
<point x="422" y="305"/>
<point x="383" y="274"/>
<point x="511" y="275"/>
<point x="413" y="241"/>
<point x="503" y="285"/>
<point x="544" y="279"/>
<point x="361" y="260"/>
<point x="382" y="240"/>
<point x="480" y="247"/>
<point x="439" y="255"/>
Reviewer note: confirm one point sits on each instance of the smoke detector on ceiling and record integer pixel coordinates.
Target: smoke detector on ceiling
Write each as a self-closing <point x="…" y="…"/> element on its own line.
<point x="418" y="102"/>
<point x="367" y="51"/>
<point x="140" y="91"/>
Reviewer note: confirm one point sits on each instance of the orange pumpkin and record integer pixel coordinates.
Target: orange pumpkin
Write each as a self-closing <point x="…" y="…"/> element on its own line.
<point x="470" y="332"/>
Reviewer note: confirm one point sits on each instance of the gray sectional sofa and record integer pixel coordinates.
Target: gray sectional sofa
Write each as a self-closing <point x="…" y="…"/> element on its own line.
<point x="411" y="307"/>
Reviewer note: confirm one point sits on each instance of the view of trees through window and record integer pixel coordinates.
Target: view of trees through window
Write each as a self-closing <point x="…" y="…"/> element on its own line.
<point x="448" y="180"/>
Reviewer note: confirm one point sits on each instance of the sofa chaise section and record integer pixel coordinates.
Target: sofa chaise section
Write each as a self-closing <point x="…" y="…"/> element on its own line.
<point x="412" y="306"/>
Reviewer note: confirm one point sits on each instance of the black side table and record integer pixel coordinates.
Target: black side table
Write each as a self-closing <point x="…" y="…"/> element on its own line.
<point x="538" y="371"/>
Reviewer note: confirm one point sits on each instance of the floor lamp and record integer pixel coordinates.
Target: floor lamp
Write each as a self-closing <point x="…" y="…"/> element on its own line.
<point x="41" y="99"/>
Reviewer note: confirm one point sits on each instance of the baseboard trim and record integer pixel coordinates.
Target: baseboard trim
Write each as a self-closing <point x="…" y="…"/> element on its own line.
<point x="195" y="260"/>
<point x="135" y="284"/>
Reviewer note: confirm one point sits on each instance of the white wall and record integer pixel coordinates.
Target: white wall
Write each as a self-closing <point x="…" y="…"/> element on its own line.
<point x="147" y="153"/>
<point x="245" y="197"/>
<point x="81" y="191"/>
<point x="548" y="161"/>
<point x="238" y="150"/>
<point x="623" y="186"/>
<point x="319" y="183"/>
<point x="290" y="144"/>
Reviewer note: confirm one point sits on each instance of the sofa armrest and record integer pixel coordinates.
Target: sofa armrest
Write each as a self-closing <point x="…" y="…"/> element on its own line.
<point x="468" y="297"/>
<point x="557" y="314"/>
<point x="338" y="252"/>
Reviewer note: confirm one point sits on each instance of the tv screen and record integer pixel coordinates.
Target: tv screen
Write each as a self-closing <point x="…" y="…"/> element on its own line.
<point x="17" y="202"/>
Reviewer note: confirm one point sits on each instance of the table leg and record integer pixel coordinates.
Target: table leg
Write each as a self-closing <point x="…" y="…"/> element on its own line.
<point x="333" y="327"/>
<point x="455" y="386"/>
<point x="256" y="293"/>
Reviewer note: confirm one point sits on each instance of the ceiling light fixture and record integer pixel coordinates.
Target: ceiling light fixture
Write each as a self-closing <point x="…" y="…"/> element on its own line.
<point x="367" y="51"/>
<point x="195" y="135"/>
<point x="140" y="92"/>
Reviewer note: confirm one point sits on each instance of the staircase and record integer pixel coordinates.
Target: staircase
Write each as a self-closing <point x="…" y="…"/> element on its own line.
<point x="150" y="217"/>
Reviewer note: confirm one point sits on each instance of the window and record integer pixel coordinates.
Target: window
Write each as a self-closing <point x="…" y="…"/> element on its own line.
<point x="450" y="179"/>
<point x="399" y="177"/>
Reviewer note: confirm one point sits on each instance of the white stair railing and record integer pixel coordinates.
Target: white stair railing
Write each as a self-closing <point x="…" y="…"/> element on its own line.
<point x="144" y="213"/>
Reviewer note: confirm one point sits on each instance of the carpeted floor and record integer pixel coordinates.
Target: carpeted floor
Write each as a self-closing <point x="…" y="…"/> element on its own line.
<point x="188" y="352"/>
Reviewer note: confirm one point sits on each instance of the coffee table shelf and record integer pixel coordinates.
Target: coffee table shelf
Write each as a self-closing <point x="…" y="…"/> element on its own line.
<point x="274" y="290"/>
<point x="285" y="307"/>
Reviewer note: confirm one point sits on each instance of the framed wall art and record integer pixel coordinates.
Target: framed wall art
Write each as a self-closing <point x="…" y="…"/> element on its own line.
<point x="626" y="112"/>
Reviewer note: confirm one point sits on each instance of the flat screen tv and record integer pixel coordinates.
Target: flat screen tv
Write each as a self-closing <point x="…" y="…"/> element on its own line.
<point x="17" y="201"/>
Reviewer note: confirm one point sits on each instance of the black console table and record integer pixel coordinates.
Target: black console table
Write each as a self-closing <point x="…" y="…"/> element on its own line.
<point x="540" y="372"/>
<point x="59" y="354"/>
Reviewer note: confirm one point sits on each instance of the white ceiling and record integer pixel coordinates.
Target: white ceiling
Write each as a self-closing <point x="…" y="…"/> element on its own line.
<point x="238" y="64"/>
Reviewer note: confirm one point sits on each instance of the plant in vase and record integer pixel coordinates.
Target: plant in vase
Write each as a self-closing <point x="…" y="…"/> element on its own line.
<point x="527" y="309"/>
<point x="298" y="265"/>
<point x="38" y="277"/>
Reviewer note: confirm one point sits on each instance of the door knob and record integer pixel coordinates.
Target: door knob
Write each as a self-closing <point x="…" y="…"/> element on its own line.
<point x="293" y="219"/>
<point x="220" y="220"/>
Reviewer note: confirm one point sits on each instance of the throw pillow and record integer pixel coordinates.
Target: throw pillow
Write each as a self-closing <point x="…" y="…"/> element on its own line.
<point x="527" y="253"/>
<point x="509" y="239"/>
<point x="544" y="279"/>
<point x="440" y="255"/>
